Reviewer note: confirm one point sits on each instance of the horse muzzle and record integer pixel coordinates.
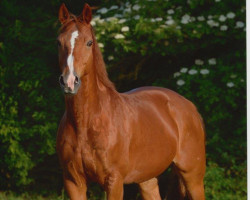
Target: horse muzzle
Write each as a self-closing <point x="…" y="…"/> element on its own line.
<point x="69" y="84"/>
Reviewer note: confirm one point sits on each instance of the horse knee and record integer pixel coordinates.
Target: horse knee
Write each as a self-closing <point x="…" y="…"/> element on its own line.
<point x="150" y="190"/>
<point x="114" y="187"/>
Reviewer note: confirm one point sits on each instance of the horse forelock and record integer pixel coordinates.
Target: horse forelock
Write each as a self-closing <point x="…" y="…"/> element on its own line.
<point x="66" y="25"/>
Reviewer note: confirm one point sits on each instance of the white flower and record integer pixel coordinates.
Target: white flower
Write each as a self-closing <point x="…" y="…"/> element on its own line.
<point x="210" y="17"/>
<point x="163" y="26"/>
<point x="201" y="18"/>
<point x="217" y="0"/>
<point x="199" y="62"/>
<point x="223" y="28"/>
<point x="113" y="7"/>
<point x="125" y="29"/>
<point x="118" y="15"/>
<point x="119" y="36"/>
<point x="204" y="71"/>
<point x="103" y="10"/>
<point x="239" y="24"/>
<point x="111" y="58"/>
<point x="152" y="20"/>
<point x="103" y="32"/>
<point x="170" y="12"/>
<point x="222" y="18"/>
<point x="192" y="71"/>
<point x="176" y="74"/>
<point x="158" y="19"/>
<point x="100" y="21"/>
<point x="184" y="70"/>
<point x="127" y="4"/>
<point x="137" y="17"/>
<point x="136" y="7"/>
<point x="230" y="84"/>
<point x="121" y="21"/>
<point x="93" y="23"/>
<point x="169" y="17"/>
<point x="180" y="82"/>
<point x="233" y="76"/>
<point x="185" y="19"/>
<point x="110" y="19"/>
<point x="212" y="23"/>
<point x="169" y="22"/>
<point x="128" y="10"/>
<point x="212" y="61"/>
<point x="100" y="45"/>
<point x="230" y="15"/>
<point x="97" y="17"/>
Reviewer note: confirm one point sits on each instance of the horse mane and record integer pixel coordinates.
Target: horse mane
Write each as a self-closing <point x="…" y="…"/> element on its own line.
<point x="99" y="65"/>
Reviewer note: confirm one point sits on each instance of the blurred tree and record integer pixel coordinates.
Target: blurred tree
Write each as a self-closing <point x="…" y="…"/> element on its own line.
<point x="29" y="92"/>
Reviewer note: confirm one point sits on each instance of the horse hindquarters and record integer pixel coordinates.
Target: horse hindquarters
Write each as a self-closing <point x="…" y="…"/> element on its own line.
<point x="190" y="161"/>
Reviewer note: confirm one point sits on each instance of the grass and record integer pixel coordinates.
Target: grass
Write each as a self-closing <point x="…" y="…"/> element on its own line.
<point x="27" y="196"/>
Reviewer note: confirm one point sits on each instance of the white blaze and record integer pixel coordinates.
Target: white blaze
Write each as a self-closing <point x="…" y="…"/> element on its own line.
<point x="70" y="61"/>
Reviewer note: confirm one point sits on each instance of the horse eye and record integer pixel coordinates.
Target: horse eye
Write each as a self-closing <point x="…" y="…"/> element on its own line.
<point x="89" y="43"/>
<point x="59" y="43"/>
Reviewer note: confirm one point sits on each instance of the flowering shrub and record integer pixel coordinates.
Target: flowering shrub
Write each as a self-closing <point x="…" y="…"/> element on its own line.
<point x="163" y="27"/>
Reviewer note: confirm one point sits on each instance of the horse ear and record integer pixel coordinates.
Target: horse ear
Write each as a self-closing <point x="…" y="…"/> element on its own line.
<point x="86" y="14"/>
<point x="63" y="14"/>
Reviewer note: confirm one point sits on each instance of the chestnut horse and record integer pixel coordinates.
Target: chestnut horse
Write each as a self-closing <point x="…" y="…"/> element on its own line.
<point x="120" y="138"/>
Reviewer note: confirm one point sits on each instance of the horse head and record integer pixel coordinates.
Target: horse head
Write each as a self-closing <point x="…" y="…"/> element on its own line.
<point x="75" y="43"/>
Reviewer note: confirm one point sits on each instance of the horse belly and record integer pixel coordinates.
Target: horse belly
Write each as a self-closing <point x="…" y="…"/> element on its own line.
<point x="153" y="146"/>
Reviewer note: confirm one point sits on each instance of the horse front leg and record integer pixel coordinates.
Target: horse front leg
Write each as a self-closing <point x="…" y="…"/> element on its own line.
<point x="114" y="186"/>
<point x="75" y="190"/>
<point x="150" y="190"/>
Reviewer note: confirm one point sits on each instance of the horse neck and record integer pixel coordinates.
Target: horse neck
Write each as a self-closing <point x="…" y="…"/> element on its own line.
<point x="94" y="94"/>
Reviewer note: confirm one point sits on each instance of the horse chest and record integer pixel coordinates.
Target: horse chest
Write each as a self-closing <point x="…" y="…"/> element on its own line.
<point x="99" y="132"/>
<point x="94" y="161"/>
<point x="94" y="151"/>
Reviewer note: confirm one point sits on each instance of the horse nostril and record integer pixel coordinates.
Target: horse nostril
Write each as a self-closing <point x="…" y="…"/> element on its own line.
<point x="76" y="80"/>
<point x="61" y="81"/>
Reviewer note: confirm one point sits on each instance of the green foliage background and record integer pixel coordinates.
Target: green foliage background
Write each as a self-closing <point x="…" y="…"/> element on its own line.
<point x="195" y="47"/>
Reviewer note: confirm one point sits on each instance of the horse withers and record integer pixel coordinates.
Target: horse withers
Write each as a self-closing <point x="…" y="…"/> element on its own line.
<point x="120" y="138"/>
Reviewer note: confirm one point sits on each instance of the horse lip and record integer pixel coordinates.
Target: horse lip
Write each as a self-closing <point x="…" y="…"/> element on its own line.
<point x="68" y="92"/>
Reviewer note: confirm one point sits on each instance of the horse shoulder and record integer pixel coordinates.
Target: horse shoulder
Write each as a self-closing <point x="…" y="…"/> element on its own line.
<point x="66" y="141"/>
